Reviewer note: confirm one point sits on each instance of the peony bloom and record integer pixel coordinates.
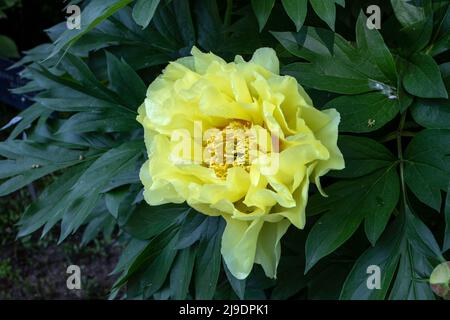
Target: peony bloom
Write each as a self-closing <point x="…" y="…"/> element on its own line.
<point x="240" y="141"/>
<point x="440" y="280"/>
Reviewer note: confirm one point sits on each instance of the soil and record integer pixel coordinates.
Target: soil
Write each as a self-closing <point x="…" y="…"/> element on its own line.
<point x="34" y="268"/>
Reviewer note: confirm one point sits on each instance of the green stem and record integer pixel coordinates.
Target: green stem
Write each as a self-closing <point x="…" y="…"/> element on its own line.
<point x="400" y="156"/>
<point x="229" y="9"/>
<point x="393" y="135"/>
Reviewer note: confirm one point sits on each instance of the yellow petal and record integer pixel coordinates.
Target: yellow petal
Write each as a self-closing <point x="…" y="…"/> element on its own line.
<point x="239" y="242"/>
<point x="268" y="251"/>
<point x="267" y="58"/>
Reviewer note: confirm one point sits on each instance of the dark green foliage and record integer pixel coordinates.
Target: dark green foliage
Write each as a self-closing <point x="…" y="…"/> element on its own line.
<point x="390" y="87"/>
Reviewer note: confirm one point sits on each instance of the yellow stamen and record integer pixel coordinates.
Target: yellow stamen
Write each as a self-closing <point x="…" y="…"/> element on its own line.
<point x="229" y="148"/>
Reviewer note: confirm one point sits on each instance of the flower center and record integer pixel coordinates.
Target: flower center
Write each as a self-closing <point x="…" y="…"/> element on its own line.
<point x="228" y="148"/>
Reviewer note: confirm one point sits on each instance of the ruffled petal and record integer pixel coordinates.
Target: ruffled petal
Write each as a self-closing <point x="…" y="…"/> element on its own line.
<point x="239" y="241"/>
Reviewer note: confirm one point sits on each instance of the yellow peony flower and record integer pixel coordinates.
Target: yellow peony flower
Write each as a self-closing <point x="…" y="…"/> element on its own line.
<point x="240" y="141"/>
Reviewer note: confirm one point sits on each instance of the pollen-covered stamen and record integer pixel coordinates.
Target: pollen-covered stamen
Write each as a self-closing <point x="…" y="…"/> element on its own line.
<point x="229" y="147"/>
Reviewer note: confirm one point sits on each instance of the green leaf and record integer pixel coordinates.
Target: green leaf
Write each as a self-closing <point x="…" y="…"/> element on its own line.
<point x="92" y="15"/>
<point x="385" y="255"/>
<point x="28" y="161"/>
<point x="313" y="77"/>
<point x="365" y="112"/>
<point x="411" y="12"/>
<point x="371" y="44"/>
<point x="296" y="10"/>
<point x="86" y="191"/>
<point x="147" y="221"/>
<point x="427" y="165"/>
<point x="143" y="11"/>
<point x="95" y="226"/>
<point x="144" y="255"/>
<point x="207" y="268"/>
<point x="28" y="116"/>
<point x="153" y="276"/>
<point x="335" y="64"/>
<point x="373" y="197"/>
<point x="407" y="285"/>
<point x="289" y="280"/>
<point x="326" y="10"/>
<point x="181" y="273"/>
<point x="209" y="24"/>
<point x="79" y="70"/>
<point x="442" y="35"/>
<point x="194" y="226"/>
<point x="262" y="9"/>
<point x="421" y="238"/>
<point x="50" y="200"/>
<point x="446" y="244"/>
<point x="131" y="251"/>
<point x="114" y="198"/>
<point x="111" y="121"/>
<point x="362" y="156"/>
<point x="326" y="284"/>
<point x="125" y="82"/>
<point x="377" y="220"/>
<point x="8" y="48"/>
<point x="237" y="285"/>
<point x="407" y="240"/>
<point x="432" y="113"/>
<point x="423" y="79"/>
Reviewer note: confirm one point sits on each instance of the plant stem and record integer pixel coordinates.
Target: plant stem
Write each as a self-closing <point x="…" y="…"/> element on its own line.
<point x="393" y="135"/>
<point x="229" y="9"/>
<point x="400" y="156"/>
